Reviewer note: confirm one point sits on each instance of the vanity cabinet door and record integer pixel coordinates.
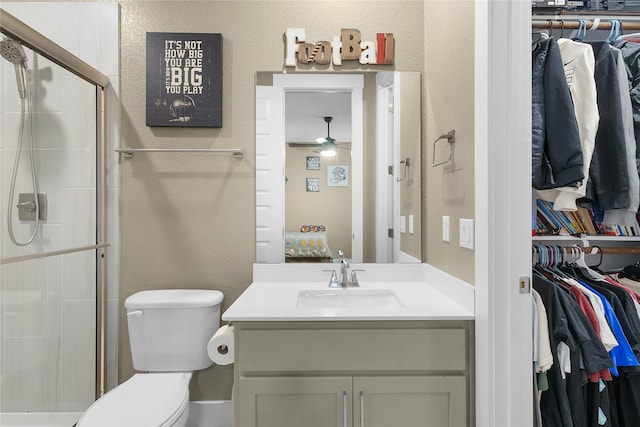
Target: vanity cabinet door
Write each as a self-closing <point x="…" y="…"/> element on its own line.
<point x="425" y="401"/>
<point x="295" y="401"/>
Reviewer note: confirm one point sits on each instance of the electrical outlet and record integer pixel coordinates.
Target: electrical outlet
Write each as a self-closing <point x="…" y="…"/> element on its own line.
<point x="445" y="229"/>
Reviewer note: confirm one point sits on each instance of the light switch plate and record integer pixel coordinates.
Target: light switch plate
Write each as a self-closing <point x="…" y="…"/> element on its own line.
<point x="410" y="224"/>
<point x="403" y="224"/>
<point x="445" y="229"/>
<point x="466" y="233"/>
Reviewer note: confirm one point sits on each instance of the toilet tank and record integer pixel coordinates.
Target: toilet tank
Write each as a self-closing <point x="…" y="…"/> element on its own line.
<point x="169" y="329"/>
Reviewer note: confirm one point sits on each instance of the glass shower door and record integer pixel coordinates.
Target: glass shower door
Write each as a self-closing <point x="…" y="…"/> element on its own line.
<point x="48" y="285"/>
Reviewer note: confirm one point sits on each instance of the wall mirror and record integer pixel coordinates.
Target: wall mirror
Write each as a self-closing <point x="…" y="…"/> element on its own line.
<point x="366" y="199"/>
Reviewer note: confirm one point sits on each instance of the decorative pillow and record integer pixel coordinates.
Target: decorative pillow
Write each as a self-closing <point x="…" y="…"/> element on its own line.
<point x="313" y="228"/>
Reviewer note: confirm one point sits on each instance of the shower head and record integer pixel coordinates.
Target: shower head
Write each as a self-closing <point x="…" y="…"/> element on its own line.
<point x="13" y="52"/>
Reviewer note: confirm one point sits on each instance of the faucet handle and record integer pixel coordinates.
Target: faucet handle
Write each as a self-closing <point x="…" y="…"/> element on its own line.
<point x="333" y="281"/>
<point x="353" y="280"/>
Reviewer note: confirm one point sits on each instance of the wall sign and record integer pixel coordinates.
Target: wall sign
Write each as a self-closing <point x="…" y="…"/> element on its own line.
<point x="346" y="47"/>
<point x="338" y="176"/>
<point x="184" y="79"/>
<point x="313" y="163"/>
<point x="313" y="185"/>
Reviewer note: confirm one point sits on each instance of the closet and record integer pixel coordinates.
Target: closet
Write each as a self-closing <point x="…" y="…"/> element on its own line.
<point x="586" y="232"/>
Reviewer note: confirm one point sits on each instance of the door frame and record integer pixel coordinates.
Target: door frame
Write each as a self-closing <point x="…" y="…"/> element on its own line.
<point x="387" y="213"/>
<point x="504" y="383"/>
<point x="353" y="83"/>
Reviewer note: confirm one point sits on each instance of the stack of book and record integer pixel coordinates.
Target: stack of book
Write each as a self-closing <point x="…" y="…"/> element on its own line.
<point x="584" y="221"/>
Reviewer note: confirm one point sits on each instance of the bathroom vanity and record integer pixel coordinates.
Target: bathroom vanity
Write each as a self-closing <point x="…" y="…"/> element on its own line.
<point x="395" y="351"/>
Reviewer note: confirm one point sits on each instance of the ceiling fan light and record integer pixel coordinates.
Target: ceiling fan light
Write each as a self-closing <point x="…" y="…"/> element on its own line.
<point x="329" y="152"/>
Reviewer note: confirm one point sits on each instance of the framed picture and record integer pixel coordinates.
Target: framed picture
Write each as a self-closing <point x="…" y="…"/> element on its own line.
<point x="313" y="163"/>
<point x="313" y="185"/>
<point x="184" y="79"/>
<point x="338" y="176"/>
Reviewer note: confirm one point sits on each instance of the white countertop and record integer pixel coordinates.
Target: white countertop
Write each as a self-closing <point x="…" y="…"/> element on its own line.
<point x="425" y="293"/>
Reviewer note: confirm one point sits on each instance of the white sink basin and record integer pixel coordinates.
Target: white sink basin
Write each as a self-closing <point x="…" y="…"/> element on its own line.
<point x="348" y="298"/>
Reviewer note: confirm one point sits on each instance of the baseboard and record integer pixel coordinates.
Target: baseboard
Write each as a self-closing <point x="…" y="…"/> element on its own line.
<point x="210" y="413"/>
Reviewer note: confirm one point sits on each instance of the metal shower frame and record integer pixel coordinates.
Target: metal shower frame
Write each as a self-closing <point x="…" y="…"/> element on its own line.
<point x="18" y="30"/>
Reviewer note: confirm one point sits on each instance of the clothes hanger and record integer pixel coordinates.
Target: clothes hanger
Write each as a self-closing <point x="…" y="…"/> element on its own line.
<point x="615" y="31"/>
<point x="548" y="265"/>
<point x="538" y="36"/>
<point x="582" y="30"/>
<point x="627" y="36"/>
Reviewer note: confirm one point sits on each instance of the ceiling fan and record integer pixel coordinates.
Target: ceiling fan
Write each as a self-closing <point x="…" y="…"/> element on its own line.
<point x="326" y="146"/>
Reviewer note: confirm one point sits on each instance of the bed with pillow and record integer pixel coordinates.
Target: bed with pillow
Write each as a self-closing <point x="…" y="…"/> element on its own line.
<point x="310" y="244"/>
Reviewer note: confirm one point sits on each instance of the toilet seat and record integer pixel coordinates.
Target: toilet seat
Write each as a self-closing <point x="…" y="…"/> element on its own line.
<point x="154" y="400"/>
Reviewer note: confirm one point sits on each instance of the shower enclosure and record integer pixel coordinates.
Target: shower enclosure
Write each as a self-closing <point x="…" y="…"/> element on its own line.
<point x="54" y="238"/>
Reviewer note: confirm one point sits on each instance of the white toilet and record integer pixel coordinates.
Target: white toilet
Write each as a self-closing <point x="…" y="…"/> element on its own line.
<point x="168" y="332"/>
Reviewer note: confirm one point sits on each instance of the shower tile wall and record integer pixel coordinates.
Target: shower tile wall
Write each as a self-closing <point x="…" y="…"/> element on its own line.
<point x="47" y="329"/>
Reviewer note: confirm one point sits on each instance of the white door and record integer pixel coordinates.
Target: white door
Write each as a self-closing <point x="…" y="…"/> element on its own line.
<point x="398" y="141"/>
<point x="385" y="178"/>
<point x="269" y="175"/>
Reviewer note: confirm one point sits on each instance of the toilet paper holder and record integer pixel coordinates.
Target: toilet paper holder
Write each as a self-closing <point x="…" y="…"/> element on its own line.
<point x="221" y="347"/>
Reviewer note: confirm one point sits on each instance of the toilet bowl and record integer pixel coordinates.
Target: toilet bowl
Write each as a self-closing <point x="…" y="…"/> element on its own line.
<point x="168" y="333"/>
<point x="144" y="400"/>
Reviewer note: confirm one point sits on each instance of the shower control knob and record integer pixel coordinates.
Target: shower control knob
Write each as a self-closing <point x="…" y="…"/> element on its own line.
<point x="28" y="206"/>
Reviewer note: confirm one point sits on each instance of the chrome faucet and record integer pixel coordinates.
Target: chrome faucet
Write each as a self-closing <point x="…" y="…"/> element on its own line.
<point x="344" y="267"/>
<point x="345" y="281"/>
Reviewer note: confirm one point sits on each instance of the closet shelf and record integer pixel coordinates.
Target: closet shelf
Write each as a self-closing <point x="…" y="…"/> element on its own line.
<point x="595" y="238"/>
<point x="601" y="245"/>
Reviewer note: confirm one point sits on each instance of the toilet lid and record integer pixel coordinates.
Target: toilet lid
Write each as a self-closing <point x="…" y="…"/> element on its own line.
<point x="153" y="400"/>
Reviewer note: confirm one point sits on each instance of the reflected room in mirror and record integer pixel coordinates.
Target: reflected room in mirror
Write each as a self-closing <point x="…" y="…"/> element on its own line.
<point x="364" y="198"/>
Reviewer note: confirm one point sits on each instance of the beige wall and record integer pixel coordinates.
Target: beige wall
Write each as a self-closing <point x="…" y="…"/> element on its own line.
<point x="189" y="220"/>
<point x="410" y="177"/>
<point x="448" y="104"/>
<point x="331" y="206"/>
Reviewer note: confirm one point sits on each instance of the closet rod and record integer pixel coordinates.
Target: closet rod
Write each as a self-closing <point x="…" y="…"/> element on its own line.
<point x="558" y="24"/>
<point x="612" y="250"/>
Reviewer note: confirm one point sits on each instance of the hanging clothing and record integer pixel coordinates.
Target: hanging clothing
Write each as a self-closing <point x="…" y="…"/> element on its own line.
<point x="579" y="68"/>
<point x="626" y="217"/>
<point x="543" y="356"/>
<point x="609" y="178"/>
<point x="631" y="54"/>
<point x="556" y="152"/>
<point x="626" y="110"/>
<point x="570" y="326"/>
<point x="555" y="407"/>
<point x="623" y="354"/>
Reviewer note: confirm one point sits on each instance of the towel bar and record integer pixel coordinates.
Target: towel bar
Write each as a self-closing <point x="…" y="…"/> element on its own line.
<point x="128" y="152"/>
